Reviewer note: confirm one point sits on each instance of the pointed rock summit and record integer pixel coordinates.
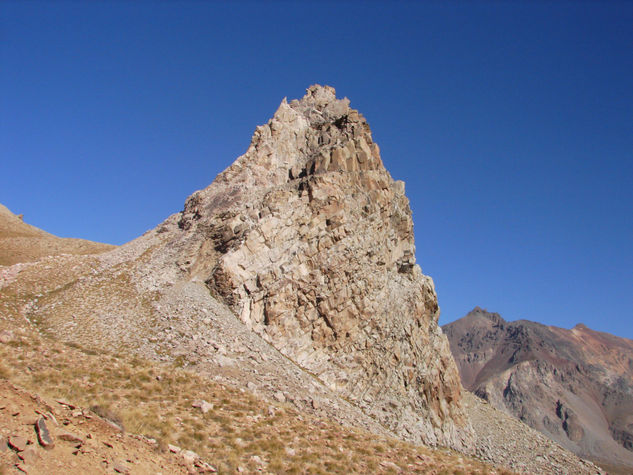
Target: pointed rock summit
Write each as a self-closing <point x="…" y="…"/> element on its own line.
<point x="299" y="255"/>
<point x="310" y="242"/>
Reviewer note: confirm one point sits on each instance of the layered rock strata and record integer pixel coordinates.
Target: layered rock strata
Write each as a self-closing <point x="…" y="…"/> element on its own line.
<point x="310" y="241"/>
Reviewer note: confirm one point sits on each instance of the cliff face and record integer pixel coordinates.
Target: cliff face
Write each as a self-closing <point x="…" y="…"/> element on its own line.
<point x="310" y="241"/>
<point x="576" y="386"/>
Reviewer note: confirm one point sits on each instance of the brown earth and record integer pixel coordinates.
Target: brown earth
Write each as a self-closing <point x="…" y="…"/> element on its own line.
<point x="83" y="441"/>
<point x="21" y="242"/>
<point x="575" y="386"/>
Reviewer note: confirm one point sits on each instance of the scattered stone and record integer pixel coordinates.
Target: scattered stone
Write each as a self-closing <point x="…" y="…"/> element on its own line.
<point x="70" y="437"/>
<point x="204" y="467"/>
<point x="120" y="467"/>
<point x="30" y="455"/>
<point x="51" y="417"/>
<point x="43" y="434"/>
<point x="190" y="456"/>
<point x="63" y="402"/>
<point x="389" y="464"/>
<point x="18" y="443"/>
<point x="6" y="336"/>
<point x="173" y="449"/>
<point x="203" y="405"/>
<point x="257" y="459"/>
<point x="279" y="396"/>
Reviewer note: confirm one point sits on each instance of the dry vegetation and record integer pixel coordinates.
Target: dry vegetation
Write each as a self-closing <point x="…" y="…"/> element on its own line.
<point x="156" y="401"/>
<point x="241" y="431"/>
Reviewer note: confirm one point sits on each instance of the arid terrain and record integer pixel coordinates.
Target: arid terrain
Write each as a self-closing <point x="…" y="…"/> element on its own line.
<point x="21" y="242"/>
<point x="575" y="386"/>
<point x="278" y="324"/>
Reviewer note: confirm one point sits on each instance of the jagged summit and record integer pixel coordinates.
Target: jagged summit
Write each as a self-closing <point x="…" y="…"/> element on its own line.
<point x="306" y="243"/>
<point x="315" y="135"/>
<point x="310" y="241"/>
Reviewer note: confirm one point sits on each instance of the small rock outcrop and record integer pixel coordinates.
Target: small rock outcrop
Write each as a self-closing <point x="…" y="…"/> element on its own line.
<point x="310" y="241"/>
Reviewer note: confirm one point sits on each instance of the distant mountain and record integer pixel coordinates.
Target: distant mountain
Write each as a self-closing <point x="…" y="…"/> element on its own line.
<point x="575" y="386"/>
<point x="21" y="242"/>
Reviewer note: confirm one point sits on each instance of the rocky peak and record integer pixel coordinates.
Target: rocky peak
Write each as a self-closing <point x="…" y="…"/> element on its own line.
<point x="315" y="135"/>
<point x="310" y="241"/>
<point x="479" y="312"/>
<point x="572" y="385"/>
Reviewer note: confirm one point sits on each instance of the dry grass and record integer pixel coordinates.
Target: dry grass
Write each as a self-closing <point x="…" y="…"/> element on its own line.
<point x="156" y="400"/>
<point x="5" y="372"/>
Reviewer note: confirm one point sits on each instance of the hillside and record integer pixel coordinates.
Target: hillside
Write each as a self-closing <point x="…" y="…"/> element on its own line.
<point x="575" y="386"/>
<point x="21" y="242"/>
<point x="285" y="303"/>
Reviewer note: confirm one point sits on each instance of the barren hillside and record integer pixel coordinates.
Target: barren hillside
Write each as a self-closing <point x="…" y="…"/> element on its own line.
<point x="21" y="242"/>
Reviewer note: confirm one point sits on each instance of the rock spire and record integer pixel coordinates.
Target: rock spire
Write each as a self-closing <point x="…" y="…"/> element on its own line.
<point x="310" y="241"/>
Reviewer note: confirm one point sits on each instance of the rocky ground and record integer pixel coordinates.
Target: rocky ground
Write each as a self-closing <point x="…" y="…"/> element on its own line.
<point x="78" y="440"/>
<point x="504" y="440"/>
<point x="107" y="413"/>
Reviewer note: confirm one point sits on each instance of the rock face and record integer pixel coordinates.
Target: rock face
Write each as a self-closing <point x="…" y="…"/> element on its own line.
<point x="310" y="241"/>
<point x="575" y="386"/>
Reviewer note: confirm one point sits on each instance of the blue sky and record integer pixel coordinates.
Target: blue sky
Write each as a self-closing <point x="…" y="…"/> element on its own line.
<point x="511" y="123"/>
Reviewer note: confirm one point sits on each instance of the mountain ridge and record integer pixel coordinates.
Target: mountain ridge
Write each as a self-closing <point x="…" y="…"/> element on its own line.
<point x="575" y="385"/>
<point x="22" y="242"/>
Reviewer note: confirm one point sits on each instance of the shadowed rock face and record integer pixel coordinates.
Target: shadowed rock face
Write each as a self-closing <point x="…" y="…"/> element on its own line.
<point x="576" y="386"/>
<point x="310" y="241"/>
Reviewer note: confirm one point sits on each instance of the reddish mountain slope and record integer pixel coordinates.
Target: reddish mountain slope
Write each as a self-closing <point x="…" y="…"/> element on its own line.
<point x="576" y="386"/>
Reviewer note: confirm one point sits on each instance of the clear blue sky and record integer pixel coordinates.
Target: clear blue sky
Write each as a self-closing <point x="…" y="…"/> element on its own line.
<point x="511" y="123"/>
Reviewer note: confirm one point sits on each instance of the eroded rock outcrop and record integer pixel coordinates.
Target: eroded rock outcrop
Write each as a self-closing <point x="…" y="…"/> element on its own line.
<point x="310" y="241"/>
